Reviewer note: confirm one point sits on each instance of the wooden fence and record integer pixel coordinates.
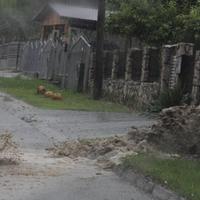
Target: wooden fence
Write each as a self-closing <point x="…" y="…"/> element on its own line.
<point x="10" y="55"/>
<point x="49" y="60"/>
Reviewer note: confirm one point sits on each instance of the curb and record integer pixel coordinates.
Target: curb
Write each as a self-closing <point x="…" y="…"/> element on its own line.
<point x="146" y="184"/>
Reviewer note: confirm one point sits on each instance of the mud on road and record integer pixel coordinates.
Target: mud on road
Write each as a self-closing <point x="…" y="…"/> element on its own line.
<point x="39" y="176"/>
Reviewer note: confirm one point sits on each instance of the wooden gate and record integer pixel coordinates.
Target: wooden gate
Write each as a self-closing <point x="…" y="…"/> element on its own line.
<point x="78" y="63"/>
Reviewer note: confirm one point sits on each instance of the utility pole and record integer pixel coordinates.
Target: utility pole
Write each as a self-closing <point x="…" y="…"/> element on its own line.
<point x="98" y="69"/>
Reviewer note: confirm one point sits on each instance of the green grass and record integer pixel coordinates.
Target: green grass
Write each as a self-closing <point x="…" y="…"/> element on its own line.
<point x="181" y="175"/>
<point x="26" y="90"/>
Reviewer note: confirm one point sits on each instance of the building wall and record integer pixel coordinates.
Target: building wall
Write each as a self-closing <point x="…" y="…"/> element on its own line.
<point x="53" y="19"/>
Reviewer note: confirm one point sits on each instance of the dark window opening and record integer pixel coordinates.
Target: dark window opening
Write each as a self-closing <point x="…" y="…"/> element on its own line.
<point x="137" y="66"/>
<point x="186" y="75"/>
<point x="108" y="61"/>
<point x="154" y="66"/>
<point x="121" y="68"/>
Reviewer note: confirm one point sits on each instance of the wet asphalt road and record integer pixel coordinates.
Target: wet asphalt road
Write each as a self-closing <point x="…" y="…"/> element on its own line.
<point x="35" y="129"/>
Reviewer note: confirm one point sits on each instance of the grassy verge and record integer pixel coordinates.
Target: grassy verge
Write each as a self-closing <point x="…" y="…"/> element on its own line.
<point x="180" y="175"/>
<point x="26" y="91"/>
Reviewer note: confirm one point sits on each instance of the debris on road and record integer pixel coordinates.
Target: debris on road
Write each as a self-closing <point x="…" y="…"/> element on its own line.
<point x="178" y="130"/>
<point x="29" y="118"/>
<point x="9" y="153"/>
<point x="107" y="151"/>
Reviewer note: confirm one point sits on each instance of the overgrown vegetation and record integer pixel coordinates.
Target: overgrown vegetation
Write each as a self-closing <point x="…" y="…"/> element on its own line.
<point x="156" y="22"/>
<point x="181" y="175"/>
<point x="169" y="98"/>
<point x="26" y="90"/>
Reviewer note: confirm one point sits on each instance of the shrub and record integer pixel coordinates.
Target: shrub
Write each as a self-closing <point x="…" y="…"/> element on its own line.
<point x="169" y="98"/>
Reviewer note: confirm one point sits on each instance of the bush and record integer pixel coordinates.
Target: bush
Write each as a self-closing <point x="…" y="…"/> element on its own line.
<point x="169" y="98"/>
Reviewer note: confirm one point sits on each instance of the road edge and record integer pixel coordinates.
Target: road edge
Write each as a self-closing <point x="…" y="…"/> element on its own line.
<point x="146" y="184"/>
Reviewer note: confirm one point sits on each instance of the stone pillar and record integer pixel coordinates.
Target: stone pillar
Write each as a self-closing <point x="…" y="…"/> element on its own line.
<point x="167" y="64"/>
<point x="116" y="59"/>
<point x="129" y="65"/>
<point x="175" y="68"/>
<point x="196" y="80"/>
<point x="145" y="65"/>
<point x="172" y="63"/>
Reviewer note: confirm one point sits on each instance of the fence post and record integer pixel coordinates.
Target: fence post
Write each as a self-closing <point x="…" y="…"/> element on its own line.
<point x="18" y="55"/>
<point x="65" y="70"/>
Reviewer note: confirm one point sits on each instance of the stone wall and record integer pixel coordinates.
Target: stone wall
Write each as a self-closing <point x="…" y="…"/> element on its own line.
<point x="134" y="94"/>
<point x="138" y="78"/>
<point x="196" y="80"/>
<point x="172" y="63"/>
<point x="140" y="86"/>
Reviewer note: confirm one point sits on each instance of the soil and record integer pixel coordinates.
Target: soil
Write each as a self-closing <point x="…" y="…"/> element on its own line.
<point x="9" y="152"/>
<point x="177" y="130"/>
<point x="107" y="152"/>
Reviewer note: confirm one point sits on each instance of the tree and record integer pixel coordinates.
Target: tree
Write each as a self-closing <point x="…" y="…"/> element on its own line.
<point x="156" y="21"/>
<point x="16" y="19"/>
<point x="7" y="3"/>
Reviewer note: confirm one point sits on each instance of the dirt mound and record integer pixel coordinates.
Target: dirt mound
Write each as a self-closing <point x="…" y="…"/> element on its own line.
<point x="107" y="151"/>
<point x="89" y="147"/>
<point x="9" y="153"/>
<point x="178" y="130"/>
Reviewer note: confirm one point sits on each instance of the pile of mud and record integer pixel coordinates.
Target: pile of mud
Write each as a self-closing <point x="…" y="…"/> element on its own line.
<point x="178" y="130"/>
<point x="107" y="151"/>
<point x="9" y="153"/>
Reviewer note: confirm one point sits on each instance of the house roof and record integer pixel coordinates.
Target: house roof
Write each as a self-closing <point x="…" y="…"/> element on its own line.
<point x="69" y="11"/>
<point x="83" y="3"/>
